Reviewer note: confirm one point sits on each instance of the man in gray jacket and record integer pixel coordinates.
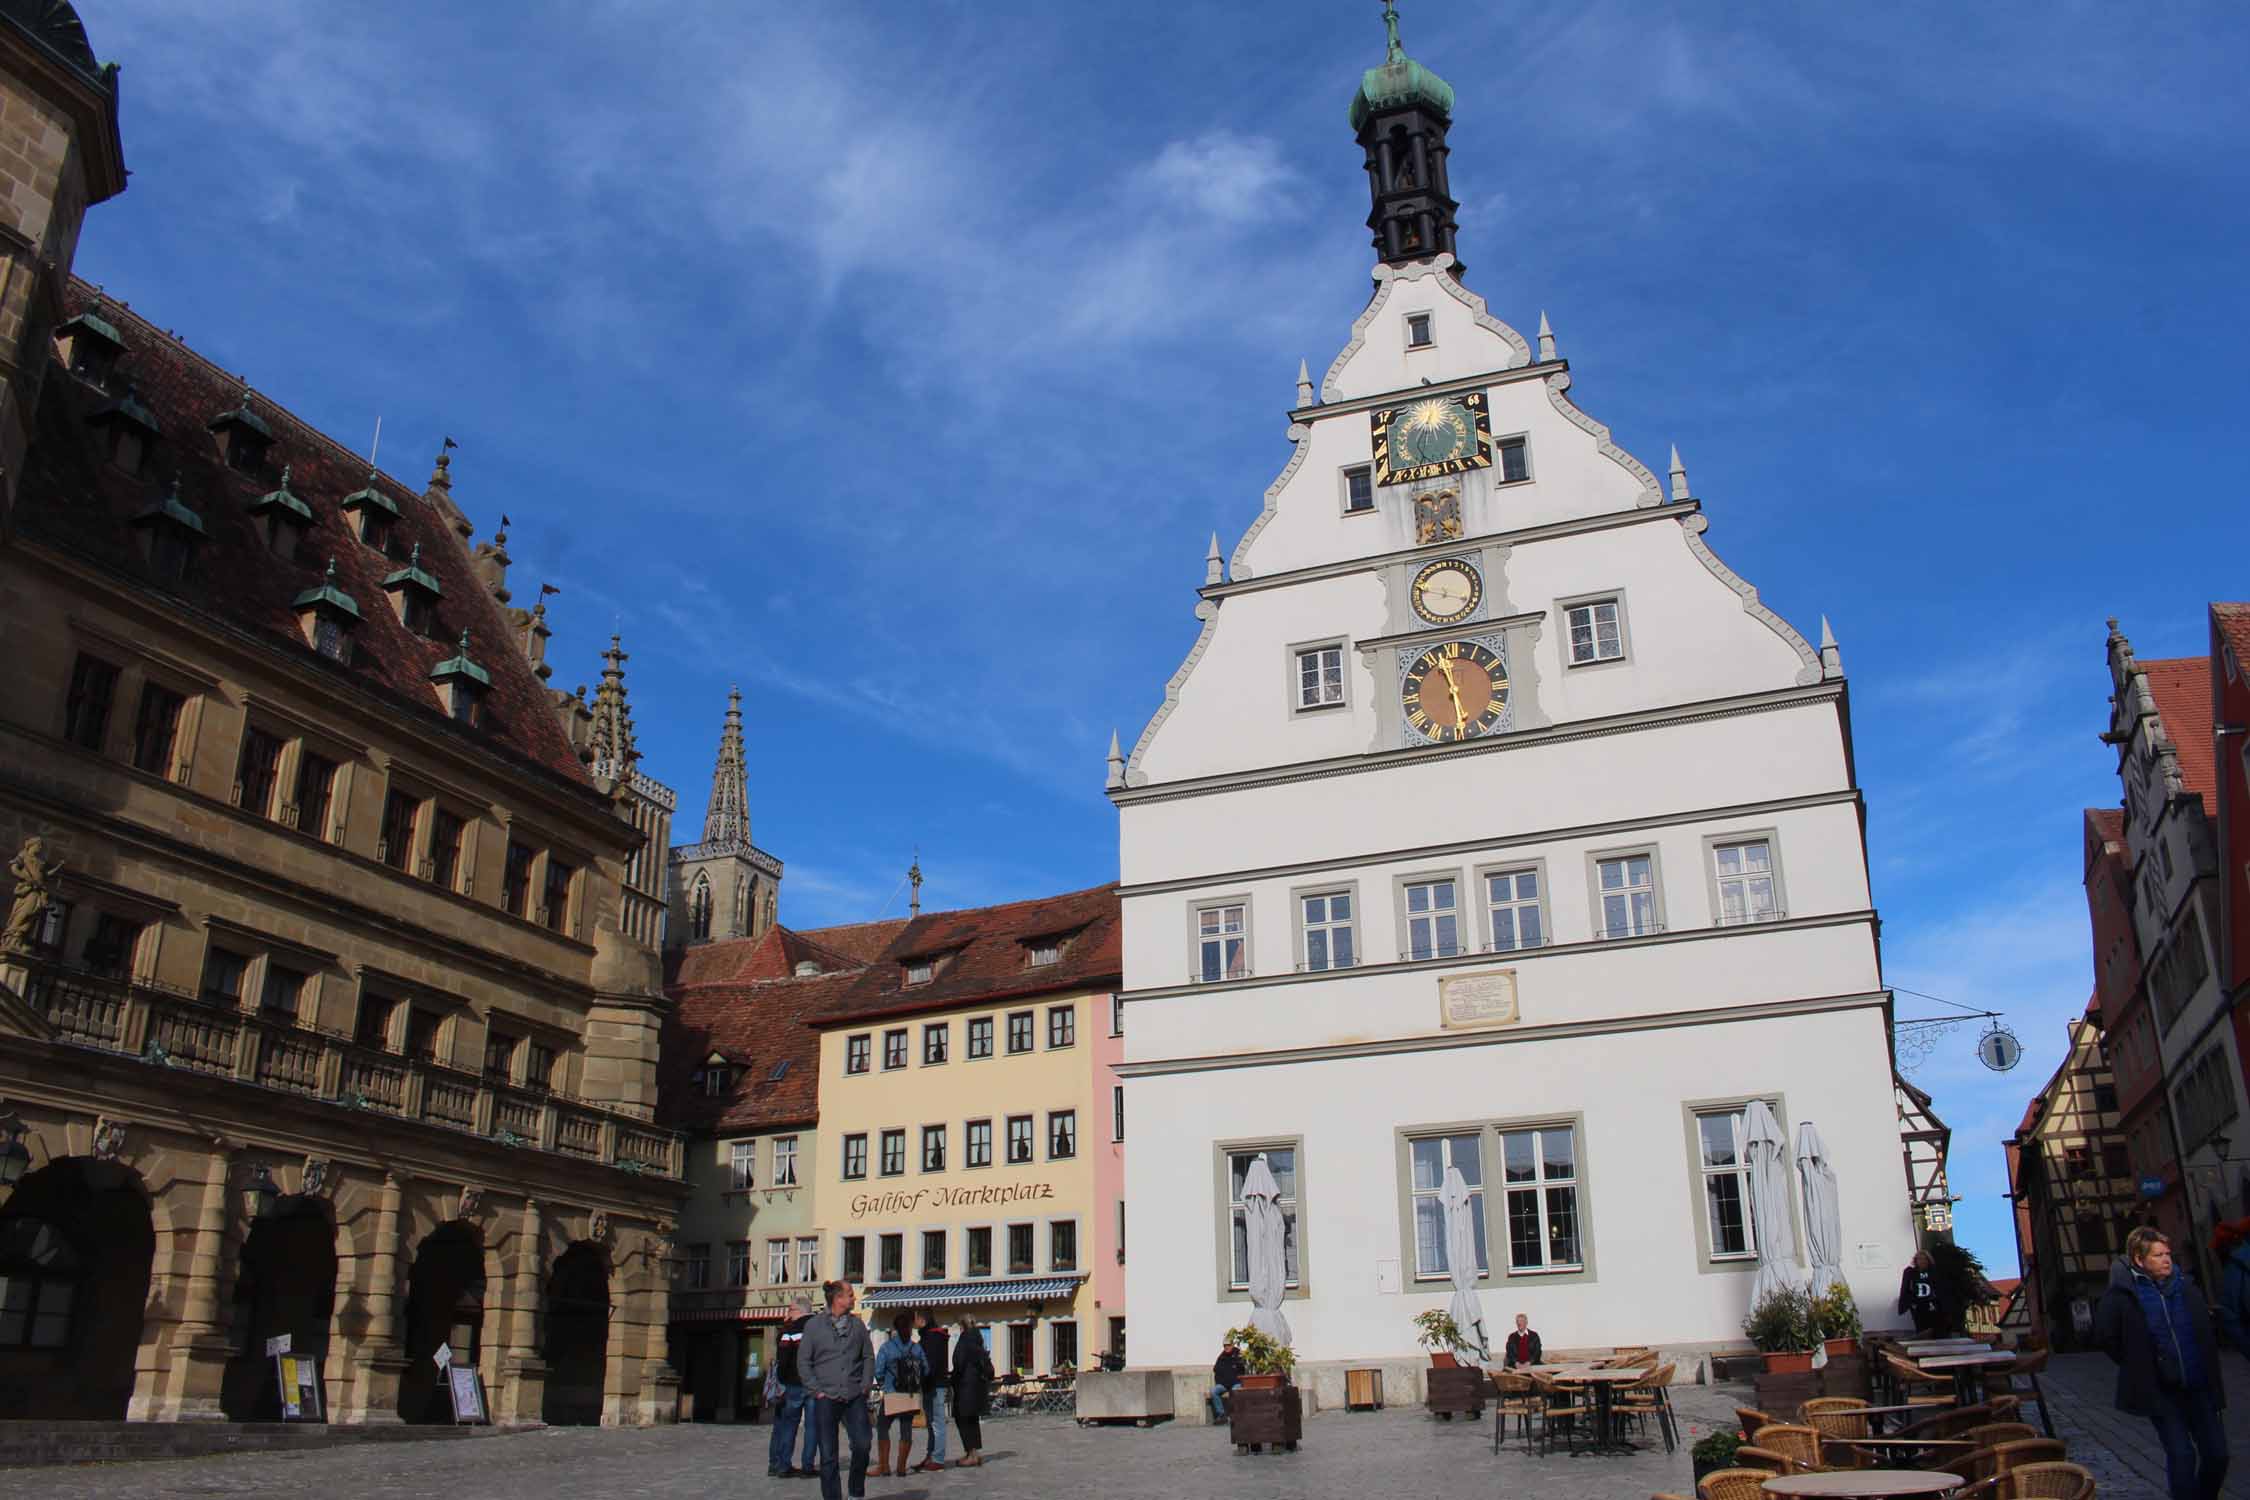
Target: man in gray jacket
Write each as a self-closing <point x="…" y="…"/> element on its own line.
<point x="836" y="1361"/>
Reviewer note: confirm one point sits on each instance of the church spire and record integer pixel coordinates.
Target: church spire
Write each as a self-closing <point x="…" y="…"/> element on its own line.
<point x="614" y="752"/>
<point x="1400" y="115"/>
<point x="727" y="820"/>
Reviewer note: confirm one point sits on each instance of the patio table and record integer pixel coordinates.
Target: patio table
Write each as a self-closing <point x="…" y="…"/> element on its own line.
<point x="1865" y="1484"/>
<point x="1968" y="1371"/>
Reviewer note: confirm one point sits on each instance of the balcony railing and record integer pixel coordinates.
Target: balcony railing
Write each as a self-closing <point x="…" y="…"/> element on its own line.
<point x="169" y="1028"/>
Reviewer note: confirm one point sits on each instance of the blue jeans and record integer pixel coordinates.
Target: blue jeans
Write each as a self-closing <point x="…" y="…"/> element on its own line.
<point x="788" y="1415"/>
<point x="851" y="1415"/>
<point x="933" y="1412"/>
<point x="1219" y="1401"/>
<point x="2195" y="1445"/>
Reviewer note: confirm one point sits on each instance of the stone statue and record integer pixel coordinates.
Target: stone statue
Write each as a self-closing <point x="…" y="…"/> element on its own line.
<point x="34" y="875"/>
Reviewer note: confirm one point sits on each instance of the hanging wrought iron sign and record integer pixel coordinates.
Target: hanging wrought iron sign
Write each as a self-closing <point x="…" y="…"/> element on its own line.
<point x="1998" y="1048"/>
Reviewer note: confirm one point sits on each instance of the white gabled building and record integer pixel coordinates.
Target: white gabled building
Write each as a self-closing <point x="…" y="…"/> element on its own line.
<point x="1491" y="821"/>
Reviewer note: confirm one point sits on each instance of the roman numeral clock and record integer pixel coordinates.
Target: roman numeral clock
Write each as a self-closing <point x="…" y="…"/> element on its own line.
<point x="1454" y="648"/>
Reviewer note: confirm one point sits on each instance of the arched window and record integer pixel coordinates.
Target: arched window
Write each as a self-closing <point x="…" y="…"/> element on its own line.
<point x="699" y="909"/>
<point x="39" y="1275"/>
<point x="742" y="890"/>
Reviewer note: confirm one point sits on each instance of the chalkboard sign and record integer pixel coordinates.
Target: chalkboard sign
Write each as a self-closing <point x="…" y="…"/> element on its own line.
<point x="468" y="1395"/>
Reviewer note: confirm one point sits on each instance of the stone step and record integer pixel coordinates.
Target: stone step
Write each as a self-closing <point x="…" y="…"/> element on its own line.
<point x="39" y="1443"/>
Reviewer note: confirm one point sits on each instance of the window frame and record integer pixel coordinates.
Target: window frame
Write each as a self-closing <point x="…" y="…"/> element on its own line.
<point x="1713" y="843"/>
<point x="777" y="1260"/>
<point x="845" y="1153"/>
<point x="781" y="1159"/>
<point x="942" y="1135"/>
<point x="1406" y="880"/>
<point x="969" y="1160"/>
<point x="969" y="1233"/>
<point x="940" y="1032"/>
<point x="1294" y="655"/>
<point x="943" y="1243"/>
<point x="1030" y="1019"/>
<point x="740" y="1262"/>
<point x="1579" y="1185"/>
<point x="742" y="1154"/>
<point x="891" y="1135"/>
<point x="1117" y="1112"/>
<point x="1595" y="858"/>
<point x="1407" y="318"/>
<point x="1412" y="1276"/>
<point x="1195" y="911"/>
<point x="1030" y="1123"/>
<point x="177" y="755"/>
<point x="1030" y="1263"/>
<point x="901" y="1036"/>
<point x="808" y="1258"/>
<point x="1067" y="1119"/>
<point x="1499" y="469"/>
<point x="1298" y="896"/>
<point x="886" y="1242"/>
<point x="859" y="1054"/>
<point x="1691" y="1111"/>
<point x="1077" y="1245"/>
<point x="969" y="1027"/>
<point x="91" y="736"/>
<point x="1068" y="1016"/>
<point x="846" y="1245"/>
<point x="1492" y="1146"/>
<point x="1222" y="1153"/>
<point x="1564" y="606"/>
<point x="1344" y="506"/>
<point x="1537" y="869"/>
<point x="254" y="736"/>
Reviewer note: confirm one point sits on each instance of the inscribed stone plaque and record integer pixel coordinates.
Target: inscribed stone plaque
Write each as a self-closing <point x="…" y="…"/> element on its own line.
<point x="1485" y="999"/>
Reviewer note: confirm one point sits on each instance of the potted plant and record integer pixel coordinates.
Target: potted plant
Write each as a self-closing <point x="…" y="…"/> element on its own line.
<point x="1441" y="1336"/>
<point x="1267" y="1363"/>
<point x="1457" y="1386"/>
<point x="1714" y="1451"/>
<point x="1781" y="1328"/>
<point x="1835" y="1315"/>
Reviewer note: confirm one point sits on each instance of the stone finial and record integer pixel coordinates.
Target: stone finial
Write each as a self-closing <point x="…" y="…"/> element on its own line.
<point x="613" y="748"/>
<point x="1116" y="762"/>
<point x="439" y="491"/>
<point x="1214" y="566"/>
<point x="1831" y="657"/>
<point x="1546" y="338"/>
<point x="1679" y="475"/>
<point x="1304" y="384"/>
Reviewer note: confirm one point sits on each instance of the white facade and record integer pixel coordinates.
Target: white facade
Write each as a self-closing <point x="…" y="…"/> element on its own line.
<point x="1708" y="726"/>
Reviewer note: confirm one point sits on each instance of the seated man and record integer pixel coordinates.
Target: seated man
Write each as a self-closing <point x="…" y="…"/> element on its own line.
<point x="1225" y="1376"/>
<point x="1523" y="1344"/>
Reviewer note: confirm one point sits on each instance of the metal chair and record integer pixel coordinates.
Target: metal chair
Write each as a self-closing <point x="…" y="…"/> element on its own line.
<point x="1565" y="1409"/>
<point x="1519" y="1399"/>
<point x="2028" y="1367"/>
<point x="1651" y="1396"/>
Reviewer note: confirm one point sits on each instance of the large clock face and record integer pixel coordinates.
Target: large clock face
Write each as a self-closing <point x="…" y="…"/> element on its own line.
<point x="1454" y="691"/>
<point x="1447" y="590"/>
<point x="1432" y="436"/>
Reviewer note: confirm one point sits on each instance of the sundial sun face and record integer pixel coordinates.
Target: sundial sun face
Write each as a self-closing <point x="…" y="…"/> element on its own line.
<point x="1431" y="436"/>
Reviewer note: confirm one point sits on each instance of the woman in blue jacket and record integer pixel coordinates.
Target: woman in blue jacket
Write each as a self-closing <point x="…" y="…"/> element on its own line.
<point x="2153" y="1323"/>
<point x="900" y="1370"/>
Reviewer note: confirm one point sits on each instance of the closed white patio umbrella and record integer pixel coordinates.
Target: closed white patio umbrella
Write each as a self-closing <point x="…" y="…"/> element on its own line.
<point x="1264" y="1229"/>
<point x="1824" y="1215"/>
<point x="1766" y="1151"/>
<point x="1467" y="1309"/>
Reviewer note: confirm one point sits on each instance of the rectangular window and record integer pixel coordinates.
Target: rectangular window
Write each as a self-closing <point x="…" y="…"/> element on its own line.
<point x="1062" y="1026"/>
<point x="894" y="1049"/>
<point x="1726" y="1185"/>
<point x="1117" y="1111"/>
<point x="422" y="1033"/>
<point x="93" y="688"/>
<point x="784" y="1161"/>
<point x="936" y="1040"/>
<point x="1044" y="954"/>
<point x="1320" y="677"/>
<point x="375" y="1012"/>
<point x="515" y="879"/>
<point x="555" y="904"/>
<point x="742" y="1165"/>
<point x="698" y="1271"/>
<point x="1359" y="489"/>
<point x="1746" y="886"/>
<point x="738" y="1263"/>
<point x="852" y="1258"/>
<point x="1222" y="943"/>
<point x="539" y="1066"/>
<point x="222" y="977"/>
<point x="777" y="1262"/>
<point x="980" y="1037"/>
<point x="446" y="828"/>
<point x="933" y="1148"/>
<point x="1514" y="459"/>
<point x="1019" y="1139"/>
<point x="978" y="1249"/>
<point x="1430" y="1158"/>
<point x="1512" y="903"/>
<point x="1594" y="635"/>
<point x="978" y="1148"/>
<point x="1020" y="1250"/>
<point x="397" y="841"/>
<point x="111" y="947"/>
<point x="894" y="1153"/>
<point x="1327" y="926"/>
<point x="258" y="772"/>
<point x="499" y="1055"/>
<point x="1282" y="1162"/>
<point x="316" y="793"/>
<point x="1117" y="1015"/>
<point x="933" y="1255"/>
<point x="1542" y="1175"/>
<point x="892" y="1248"/>
<point x="1019" y="1031"/>
<point x="808" y="1258"/>
<point x="157" y="729"/>
<point x="1062" y="1245"/>
<point x="857" y="1052"/>
<point x="1062" y="1134"/>
<point x="1063" y="1338"/>
<point x="283" y="993"/>
<point x="1418" y="331"/>
<point x="1433" y="920"/>
<point x="855" y="1157"/>
<point x="1628" y="896"/>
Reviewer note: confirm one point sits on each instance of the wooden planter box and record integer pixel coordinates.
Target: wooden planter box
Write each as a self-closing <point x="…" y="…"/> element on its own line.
<point x="1458" y="1392"/>
<point x="1274" y="1418"/>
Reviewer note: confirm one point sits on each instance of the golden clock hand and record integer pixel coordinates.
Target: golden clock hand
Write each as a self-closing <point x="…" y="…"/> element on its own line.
<point x="1452" y="691"/>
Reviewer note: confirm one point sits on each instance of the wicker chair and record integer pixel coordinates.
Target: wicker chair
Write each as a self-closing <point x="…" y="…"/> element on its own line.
<point x="2011" y="1456"/>
<point x="2050" y="1481"/>
<point x="1568" y="1410"/>
<point x="2004" y="1408"/>
<point x="1734" y="1484"/>
<point x="1519" y="1401"/>
<point x="1764" y="1460"/>
<point x="2000" y="1432"/>
<point x="1800" y="1445"/>
<point x="1750" y="1419"/>
<point x="1651" y="1396"/>
<point x="1840" y="1420"/>
<point x="1917" y="1386"/>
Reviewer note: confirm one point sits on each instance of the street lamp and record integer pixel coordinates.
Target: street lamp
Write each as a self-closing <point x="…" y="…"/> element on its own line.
<point x="15" y="1157"/>
<point x="261" y="1198"/>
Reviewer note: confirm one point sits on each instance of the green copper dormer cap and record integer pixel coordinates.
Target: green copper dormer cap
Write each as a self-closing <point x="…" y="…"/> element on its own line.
<point x="460" y="666"/>
<point x="128" y="409"/>
<point x="412" y="574"/>
<point x="171" y="511"/>
<point x="370" y="496"/>
<point x="92" y="327"/>
<point x="281" y="499"/>
<point x="1399" y="82"/>
<point x="326" y="595"/>
<point x="242" y="416"/>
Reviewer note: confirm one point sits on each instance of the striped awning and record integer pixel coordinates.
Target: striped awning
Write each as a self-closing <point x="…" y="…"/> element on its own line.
<point x="959" y="1293"/>
<point x="730" y="1315"/>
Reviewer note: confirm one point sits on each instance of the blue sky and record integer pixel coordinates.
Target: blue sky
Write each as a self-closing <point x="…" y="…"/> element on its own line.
<point x="896" y="361"/>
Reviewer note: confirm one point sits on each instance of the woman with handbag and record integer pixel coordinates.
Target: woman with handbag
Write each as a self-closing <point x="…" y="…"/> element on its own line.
<point x="900" y="1373"/>
<point x="972" y="1384"/>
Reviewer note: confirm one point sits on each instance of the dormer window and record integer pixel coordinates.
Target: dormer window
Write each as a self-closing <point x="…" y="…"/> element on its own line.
<point x="243" y="437"/>
<point x="378" y="514"/>
<point x="1041" y="952"/>
<point x="920" y="970"/>
<point x="414" y="594"/>
<point x="462" y="685"/>
<point x="130" y="429"/>
<point x="170" y="535"/>
<point x="90" y="349"/>
<point x="284" y="518"/>
<point x="328" y="616"/>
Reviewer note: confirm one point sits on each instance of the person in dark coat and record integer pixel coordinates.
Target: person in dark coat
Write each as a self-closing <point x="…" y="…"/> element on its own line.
<point x="972" y="1387"/>
<point x="1226" y="1374"/>
<point x="1917" y="1292"/>
<point x="2153" y="1323"/>
<point x="937" y="1354"/>
<point x="1523" y="1345"/>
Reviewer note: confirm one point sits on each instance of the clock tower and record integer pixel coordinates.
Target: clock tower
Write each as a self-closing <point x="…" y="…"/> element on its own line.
<point x="1400" y="114"/>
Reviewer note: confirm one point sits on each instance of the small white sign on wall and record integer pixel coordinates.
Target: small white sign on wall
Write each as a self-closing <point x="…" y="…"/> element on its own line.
<point x="1869" y="1256"/>
<point x="1482" y="999"/>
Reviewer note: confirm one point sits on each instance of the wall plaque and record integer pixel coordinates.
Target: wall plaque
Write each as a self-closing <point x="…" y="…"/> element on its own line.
<point x="1482" y="999"/>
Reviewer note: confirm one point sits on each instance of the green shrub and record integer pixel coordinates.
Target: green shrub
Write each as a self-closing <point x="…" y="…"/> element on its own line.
<point x="1262" y="1354"/>
<point x="1781" y="1323"/>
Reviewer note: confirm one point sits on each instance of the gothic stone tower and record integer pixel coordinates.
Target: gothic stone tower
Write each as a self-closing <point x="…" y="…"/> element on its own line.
<point x="726" y="886"/>
<point x="646" y="803"/>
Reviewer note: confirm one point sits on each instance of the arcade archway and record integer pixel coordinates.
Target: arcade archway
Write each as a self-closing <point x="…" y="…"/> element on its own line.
<point x="76" y="1241"/>
<point x="444" y="1305"/>
<point x="286" y="1285"/>
<point x="577" y="1338"/>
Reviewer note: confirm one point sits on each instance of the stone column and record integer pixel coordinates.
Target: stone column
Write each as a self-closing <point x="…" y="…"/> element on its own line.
<point x="523" y="1374"/>
<point x="374" y="1394"/>
<point x="660" y="1383"/>
<point x="200" y="1349"/>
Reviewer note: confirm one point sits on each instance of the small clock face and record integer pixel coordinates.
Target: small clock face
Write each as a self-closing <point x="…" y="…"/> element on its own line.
<point x="1432" y="436"/>
<point x="1447" y="590"/>
<point x="1454" y="691"/>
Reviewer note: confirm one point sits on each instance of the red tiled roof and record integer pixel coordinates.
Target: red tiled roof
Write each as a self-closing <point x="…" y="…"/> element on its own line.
<point x="2109" y="823"/>
<point x="776" y="954"/>
<point x="982" y="954"/>
<point x="73" y="497"/>
<point x="757" y="1027"/>
<point x="2232" y="622"/>
<point x="2181" y="686"/>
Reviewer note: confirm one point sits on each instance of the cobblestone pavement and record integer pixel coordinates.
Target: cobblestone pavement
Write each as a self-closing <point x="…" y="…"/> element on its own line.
<point x="1346" y="1456"/>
